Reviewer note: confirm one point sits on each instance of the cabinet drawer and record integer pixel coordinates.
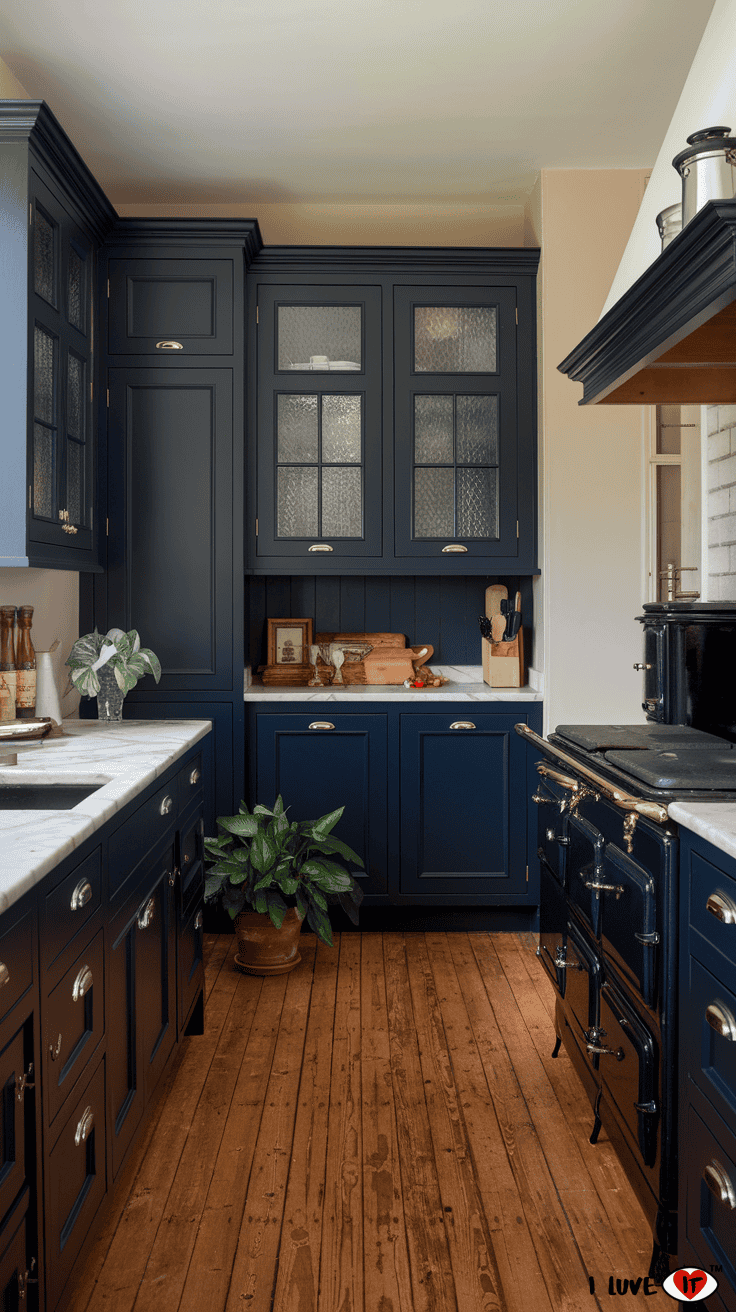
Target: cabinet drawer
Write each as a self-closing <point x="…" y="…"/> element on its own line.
<point x="77" y="1183"/>
<point x="712" y="907"/>
<point x="710" y="1221"/>
<point x="187" y="302"/>
<point x="74" y="1025"/>
<point x="16" y="961"/>
<point x="130" y="843"/>
<point x="189" y="781"/>
<point x="12" y="1121"/>
<point x="709" y="1027"/>
<point x="69" y="906"/>
<point x="14" y="1259"/>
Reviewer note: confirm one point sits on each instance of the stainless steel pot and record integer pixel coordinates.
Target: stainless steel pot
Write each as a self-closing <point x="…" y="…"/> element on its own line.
<point x="706" y="169"/>
<point x="669" y="223"/>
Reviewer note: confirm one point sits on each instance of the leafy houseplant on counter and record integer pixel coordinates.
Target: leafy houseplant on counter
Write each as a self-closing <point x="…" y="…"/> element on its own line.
<point x="107" y="666"/>
<point x="286" y="871"/>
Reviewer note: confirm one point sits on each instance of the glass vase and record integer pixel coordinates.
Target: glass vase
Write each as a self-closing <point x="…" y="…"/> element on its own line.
<point x="110" y="698"/>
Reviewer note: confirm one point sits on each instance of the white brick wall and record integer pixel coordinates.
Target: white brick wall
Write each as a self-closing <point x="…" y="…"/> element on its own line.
<point x="721" y="560"/>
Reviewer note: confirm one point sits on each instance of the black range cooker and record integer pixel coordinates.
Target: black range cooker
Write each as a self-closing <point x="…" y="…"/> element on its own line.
<point x="608" y="857"/>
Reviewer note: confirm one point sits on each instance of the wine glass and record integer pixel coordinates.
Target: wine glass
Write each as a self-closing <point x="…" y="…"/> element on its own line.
<point x="314" y="652"/>
<point x="338" y="659"/>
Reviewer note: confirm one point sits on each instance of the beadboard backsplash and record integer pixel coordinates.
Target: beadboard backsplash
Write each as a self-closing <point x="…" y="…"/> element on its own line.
<point x="441" y="611"/>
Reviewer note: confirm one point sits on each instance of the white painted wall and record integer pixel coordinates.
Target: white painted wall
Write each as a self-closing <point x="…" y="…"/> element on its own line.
<point x="708" y="99"/>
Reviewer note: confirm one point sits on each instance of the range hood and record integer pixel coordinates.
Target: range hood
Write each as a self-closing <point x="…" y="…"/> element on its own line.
<point x="671" y="339"/>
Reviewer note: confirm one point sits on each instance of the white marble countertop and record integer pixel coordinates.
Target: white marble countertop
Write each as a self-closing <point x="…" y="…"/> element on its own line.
<point x="125" y="758"/>
<point x="714" y="821"/>
<point x="465" y="685"/>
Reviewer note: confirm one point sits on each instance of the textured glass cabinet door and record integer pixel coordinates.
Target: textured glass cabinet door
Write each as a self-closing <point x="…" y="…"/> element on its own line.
<point x="455" y="359"/>
<point x="319" y="422"/>
<point x="62" y="465"/>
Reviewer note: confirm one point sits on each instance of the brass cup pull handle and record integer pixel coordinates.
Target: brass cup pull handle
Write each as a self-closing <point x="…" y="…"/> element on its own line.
<point x="722" y="1020"/>
<point x="462" y="724"/>
<point x="198" y="920"/>
<point x="195" y="776"/>
<point x="81" y="895"/>
<point x="146" y="914"/>
<point x="85" y="1127"/>
<point x="55" y="1049"/>
<point x="722" y="907"/>
<point x="720" y="1184"/>
<point x="618" y="1053"/>
<point x="454" y="548"/>
<point x="4" y="974"/>
<point x="321" y="546"/>
<point x="82" y="984"/>
<point x="321" y="724"/>
<point x="166" y="805"/>
<point x="169" y="346"/>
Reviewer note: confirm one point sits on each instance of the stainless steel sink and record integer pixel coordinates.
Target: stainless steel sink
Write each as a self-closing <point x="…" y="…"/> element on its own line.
<point x="43" y="797"/>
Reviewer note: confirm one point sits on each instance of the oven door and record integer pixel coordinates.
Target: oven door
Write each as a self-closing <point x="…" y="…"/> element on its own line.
<point x="585" y="864"/>
<point x="655" y="672"/>
<point x="551" y="826"/>
<point x="629" y="921"/>
<point x="552" y="925"/>
<point x="629" y="1076"/>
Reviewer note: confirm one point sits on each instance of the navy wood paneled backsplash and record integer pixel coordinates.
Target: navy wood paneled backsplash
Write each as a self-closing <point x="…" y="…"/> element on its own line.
<point x="440" y="611"/>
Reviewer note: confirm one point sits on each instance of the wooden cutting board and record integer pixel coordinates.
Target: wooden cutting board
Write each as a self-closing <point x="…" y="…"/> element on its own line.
<point x="354" y="671"/>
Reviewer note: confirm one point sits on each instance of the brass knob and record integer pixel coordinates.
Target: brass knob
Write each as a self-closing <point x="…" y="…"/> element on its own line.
<point x="85" y="1126"/>
<point x="81" y="895"/>
<point x="82" y="984"/>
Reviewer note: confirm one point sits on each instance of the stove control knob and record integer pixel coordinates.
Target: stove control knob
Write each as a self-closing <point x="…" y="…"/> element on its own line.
<point x="639" y="666"/>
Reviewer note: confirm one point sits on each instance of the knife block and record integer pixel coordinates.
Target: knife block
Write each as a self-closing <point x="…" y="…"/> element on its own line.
<point x="503" y="662"/>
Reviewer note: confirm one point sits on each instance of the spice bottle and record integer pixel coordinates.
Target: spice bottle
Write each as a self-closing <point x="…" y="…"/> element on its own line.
<point x="25" y="665"/>
<point x="7" y="663"/>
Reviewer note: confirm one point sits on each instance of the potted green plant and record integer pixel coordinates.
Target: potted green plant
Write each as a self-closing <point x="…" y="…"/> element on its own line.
<point x="107" y="666"/>
<point x="286" y="871"/>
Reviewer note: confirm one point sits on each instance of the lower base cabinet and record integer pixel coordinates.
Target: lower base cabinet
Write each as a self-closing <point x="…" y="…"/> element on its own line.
<point x="101" y="975"/>
<point x="435" y="798"/>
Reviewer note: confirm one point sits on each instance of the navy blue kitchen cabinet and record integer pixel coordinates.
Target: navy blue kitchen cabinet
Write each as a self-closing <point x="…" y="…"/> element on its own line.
<point x="55" y="218"/>
<point x="393" y="427"/>
<point x="435" y="797"/>
<point x="172" y="297"/>
<point x="707" y="1030"/>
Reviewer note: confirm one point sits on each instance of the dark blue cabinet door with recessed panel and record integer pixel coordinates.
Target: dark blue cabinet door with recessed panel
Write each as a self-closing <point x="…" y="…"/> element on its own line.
<point x="463" y="807"/>
<point x="318" y="761"/>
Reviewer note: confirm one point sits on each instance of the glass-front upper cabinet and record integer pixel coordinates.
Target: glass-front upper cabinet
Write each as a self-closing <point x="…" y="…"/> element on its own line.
<point x="319" y="423"/>
<point x="61" y="486"/>
<point x="456" y="422"/>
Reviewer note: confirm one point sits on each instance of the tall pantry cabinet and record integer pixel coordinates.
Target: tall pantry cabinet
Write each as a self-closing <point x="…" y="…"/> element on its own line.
<point x="172" y="359"/>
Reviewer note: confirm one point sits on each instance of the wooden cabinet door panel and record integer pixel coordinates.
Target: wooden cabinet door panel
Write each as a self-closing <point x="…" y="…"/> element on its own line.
<point x="15" y="1262"/>
<point x="170" y="563"/>
<point x="156" y="972"/>
<point x="170" y="309"/>
<point x="463" y="807"/>
<point x="12" y="1121"/>
<point x="318" y="769"/>
<point x="77" y="1183"/>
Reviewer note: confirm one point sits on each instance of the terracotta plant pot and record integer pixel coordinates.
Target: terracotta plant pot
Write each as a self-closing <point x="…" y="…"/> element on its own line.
<point x="262" y="948"/>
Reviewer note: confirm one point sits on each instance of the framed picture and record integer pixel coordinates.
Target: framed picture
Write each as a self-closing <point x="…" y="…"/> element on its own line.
<point x="289" y="641"/>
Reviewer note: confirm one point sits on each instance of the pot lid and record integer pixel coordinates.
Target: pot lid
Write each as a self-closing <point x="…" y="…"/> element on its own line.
<point x="708" y="141"/>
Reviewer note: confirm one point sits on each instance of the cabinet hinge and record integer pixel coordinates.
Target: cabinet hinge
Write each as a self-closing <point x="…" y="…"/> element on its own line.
<point x="30" y="214"/>
<point x="30" y="496"/>
<point x="517" y="530"/>
<point x="108" y="289"/>
<point x="517" y="316"/>
<point x="256" y="314"/>
<point x="107" y="528"/>
<point x="108" y="406"/>
<point x="527" y="874"/>
<point x="256" y="528"/>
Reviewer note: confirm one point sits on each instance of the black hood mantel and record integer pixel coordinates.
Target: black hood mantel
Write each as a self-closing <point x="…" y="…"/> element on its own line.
<point x="671" y="338"/>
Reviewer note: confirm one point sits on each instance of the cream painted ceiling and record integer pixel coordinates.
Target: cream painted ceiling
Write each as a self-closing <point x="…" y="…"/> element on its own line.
<point x="365" y="100"/>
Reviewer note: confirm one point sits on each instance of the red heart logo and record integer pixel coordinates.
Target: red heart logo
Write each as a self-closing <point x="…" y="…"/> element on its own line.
<point x="689" y="1283"/>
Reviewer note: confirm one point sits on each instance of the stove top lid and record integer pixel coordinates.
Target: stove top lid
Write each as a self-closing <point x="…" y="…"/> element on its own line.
<point x="680" y="767"/>
<point x="606" y="737"/>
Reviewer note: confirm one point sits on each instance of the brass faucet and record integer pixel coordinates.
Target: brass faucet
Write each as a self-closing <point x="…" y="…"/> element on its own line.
<point x="671" y="575"/>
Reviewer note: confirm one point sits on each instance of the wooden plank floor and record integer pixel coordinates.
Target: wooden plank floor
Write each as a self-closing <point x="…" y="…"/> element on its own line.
<point x="383" y="1130"/>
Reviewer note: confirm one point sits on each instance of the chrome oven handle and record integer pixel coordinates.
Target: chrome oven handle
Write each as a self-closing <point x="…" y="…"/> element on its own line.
<point x="598" y="887"/>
